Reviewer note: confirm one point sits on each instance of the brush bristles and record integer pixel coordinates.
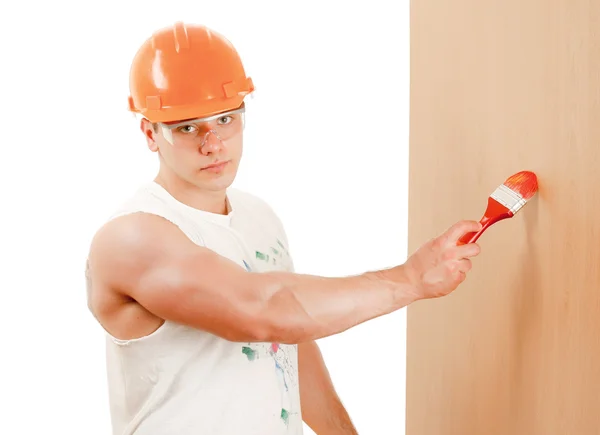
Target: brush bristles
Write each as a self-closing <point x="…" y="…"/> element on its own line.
<point x="524" y="183"/>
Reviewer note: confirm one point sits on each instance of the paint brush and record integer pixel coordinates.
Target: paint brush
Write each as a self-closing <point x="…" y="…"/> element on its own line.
<point x="505" y="202"/>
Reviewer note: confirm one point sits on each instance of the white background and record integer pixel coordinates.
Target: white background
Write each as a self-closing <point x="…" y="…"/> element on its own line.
<point x="326" y="144"/>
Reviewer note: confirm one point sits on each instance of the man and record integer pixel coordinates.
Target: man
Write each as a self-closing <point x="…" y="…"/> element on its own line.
<point x="209" y="330"/>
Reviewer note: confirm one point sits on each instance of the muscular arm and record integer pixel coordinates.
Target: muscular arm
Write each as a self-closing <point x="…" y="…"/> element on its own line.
<point x="322" y="409"/>
<point x="148" y="259"/>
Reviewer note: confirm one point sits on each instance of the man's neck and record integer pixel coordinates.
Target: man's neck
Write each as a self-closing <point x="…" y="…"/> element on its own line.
<point x="209" y="201"/>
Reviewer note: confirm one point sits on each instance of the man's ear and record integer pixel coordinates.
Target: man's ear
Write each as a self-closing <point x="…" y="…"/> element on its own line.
<point x="150" y="131"/>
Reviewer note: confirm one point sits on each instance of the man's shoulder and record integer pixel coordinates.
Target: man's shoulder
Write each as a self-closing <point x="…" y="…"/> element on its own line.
<point x="142" y="196"/>
<point x="134" y="217"/>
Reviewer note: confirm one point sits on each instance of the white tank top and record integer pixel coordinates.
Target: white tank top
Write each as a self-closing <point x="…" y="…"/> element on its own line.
<point x="184" y="381"/>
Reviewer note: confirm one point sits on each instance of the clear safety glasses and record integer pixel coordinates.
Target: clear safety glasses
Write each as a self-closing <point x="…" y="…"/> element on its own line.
<point x="196" y="132"/>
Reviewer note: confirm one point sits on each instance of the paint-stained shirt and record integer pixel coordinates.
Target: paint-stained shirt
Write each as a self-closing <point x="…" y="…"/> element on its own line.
<point x="181" y="380"/>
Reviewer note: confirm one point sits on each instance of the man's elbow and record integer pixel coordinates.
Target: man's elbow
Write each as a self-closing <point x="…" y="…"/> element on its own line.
<point x="275" y="326"/>
<point x="274" y="332"/>
<point x="283" y="324"/>
<point x="256" y="329"/>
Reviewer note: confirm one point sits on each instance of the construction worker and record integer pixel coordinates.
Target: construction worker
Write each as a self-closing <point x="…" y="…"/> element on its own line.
<point x="209" y="329"/>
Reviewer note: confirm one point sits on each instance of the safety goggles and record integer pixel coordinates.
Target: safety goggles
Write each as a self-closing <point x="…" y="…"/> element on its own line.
<point x="195" y="132"/>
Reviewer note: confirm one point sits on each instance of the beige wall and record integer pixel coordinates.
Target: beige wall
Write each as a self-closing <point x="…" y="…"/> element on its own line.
<point x="498" y="87"/>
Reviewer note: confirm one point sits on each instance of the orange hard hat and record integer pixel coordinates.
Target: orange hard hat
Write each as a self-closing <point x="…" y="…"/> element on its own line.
<point x="186" y="71"/>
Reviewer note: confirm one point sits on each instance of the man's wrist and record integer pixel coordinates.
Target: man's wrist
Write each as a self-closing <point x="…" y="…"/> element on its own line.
<point x="401" y="280"/>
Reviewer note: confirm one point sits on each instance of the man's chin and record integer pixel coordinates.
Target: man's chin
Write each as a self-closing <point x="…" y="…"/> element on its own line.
<point x="216" y="183"/>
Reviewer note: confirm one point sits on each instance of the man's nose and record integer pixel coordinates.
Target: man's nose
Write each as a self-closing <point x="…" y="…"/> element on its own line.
<point x="211" y="142"/>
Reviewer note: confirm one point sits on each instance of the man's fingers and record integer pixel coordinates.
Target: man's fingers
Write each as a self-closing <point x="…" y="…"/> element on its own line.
<point x="466" y="251"/>
<point x="465" y="265"/>
<point x="461" y="228"/>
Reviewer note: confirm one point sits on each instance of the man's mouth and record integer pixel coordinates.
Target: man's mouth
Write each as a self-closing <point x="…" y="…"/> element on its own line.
<point x="217" y="166"/>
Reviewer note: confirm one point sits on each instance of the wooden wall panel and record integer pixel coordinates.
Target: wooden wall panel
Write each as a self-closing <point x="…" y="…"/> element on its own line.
<point x="498" y="87"/>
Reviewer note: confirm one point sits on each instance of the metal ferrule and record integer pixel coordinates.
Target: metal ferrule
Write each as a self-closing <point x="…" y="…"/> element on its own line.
<point x="508" y="198"/>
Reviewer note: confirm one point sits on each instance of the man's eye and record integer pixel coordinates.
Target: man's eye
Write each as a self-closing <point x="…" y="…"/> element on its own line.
<point x="187" y="128"/>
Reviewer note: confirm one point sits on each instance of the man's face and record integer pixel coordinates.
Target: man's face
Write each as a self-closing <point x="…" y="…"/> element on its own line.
<point x="205" y="153"/>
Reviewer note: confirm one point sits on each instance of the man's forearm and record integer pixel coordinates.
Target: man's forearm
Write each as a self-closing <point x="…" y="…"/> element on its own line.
<point x="301" y="308"/>
<point x="333" y="420"/>
<point x="322" y="410"/>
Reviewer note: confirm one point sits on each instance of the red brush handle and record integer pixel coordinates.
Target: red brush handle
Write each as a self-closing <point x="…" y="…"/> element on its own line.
<point x="495" y="212"/>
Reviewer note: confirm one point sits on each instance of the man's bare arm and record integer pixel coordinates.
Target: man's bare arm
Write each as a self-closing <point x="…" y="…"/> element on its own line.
<point x="322" y="409"/>
<point x="150" y="260"/>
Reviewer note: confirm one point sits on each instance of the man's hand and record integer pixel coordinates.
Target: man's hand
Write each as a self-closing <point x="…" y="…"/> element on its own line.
<point x="439" y="266"/>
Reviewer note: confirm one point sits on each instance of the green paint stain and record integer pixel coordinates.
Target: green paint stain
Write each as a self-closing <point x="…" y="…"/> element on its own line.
<point x="282" y="247"/>
<point x="262" y="256"/>
<point x="275" y="251"/>
<point x="284" y="415"/>
<point x="249" y="352"/>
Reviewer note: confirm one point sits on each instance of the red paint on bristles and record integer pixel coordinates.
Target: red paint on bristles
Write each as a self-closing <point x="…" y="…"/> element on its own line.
<point x="524" y="183"/>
